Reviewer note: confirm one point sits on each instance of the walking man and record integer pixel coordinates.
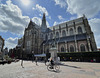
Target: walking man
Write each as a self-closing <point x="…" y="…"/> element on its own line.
<point x="36" y="60"/>
<point x="32" y="56"/>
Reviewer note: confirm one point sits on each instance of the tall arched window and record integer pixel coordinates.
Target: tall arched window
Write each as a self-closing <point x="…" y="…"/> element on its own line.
<point x="71" y="31"/>
<point x="26" y="33"/>
<point x="80" y="30"/>
<point x="63" y="33"/>
<point x="82" y="48"/>
<point x="62" y="49"/>
<point x="71" y="48"/>
<point x="51" y="36"/>
<point x="57" y="34"/>
<point x="46" y="37"/>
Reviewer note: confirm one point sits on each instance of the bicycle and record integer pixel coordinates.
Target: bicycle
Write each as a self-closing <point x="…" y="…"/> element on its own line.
<point x="55" y="67"/>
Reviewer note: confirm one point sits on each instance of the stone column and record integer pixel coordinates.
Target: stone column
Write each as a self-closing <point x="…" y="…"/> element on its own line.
<point x="57" y="47"/>
<point x="76" y="44"/>
<point x="43" y="48"/>
<point x="89" y="43"/>
<point x="76" y="48"/>
<point x="66" y="46"/>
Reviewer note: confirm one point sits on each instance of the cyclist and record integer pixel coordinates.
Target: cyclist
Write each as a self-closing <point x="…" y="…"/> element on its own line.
<point x="52" y="63"/>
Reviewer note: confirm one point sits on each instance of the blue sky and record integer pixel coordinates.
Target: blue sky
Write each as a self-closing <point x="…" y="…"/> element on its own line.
<point x="15" y="15"/>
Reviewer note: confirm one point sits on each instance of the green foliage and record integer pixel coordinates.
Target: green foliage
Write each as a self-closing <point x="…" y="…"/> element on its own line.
<point x="82" y="56"/>
<point x="78" y="56"/>
<point x="7" y="58"/>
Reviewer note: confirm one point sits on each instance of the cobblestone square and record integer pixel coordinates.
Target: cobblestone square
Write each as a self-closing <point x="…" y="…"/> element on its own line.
<point x="67" y="70"/>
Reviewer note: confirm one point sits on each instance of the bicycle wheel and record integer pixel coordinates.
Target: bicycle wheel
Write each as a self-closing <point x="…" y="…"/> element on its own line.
<point x="57" y="67"/>
<point x="49" y="67"/>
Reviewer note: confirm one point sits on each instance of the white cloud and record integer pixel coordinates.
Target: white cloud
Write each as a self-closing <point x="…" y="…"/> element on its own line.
<point x="72" y="18"/>
<point x="38" y="21"/>
<point x="60" y="17"/>
<point x="95" y="26"/>
<point x="11" y="18"/>
<point x="41" y="9"/>
<point x="47" y="24"/>
<point x="49" y="17"/>
<point x="11" y="42"/>
<point x="62" y="3"/>
<point x="88" y="7"/>
<point x="55" y="23"/>
<point x="40" y="14"/>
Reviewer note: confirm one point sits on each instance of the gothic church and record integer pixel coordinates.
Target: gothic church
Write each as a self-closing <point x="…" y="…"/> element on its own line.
<point x="70" y="36"/>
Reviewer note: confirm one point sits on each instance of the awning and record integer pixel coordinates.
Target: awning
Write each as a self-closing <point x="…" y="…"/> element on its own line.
<point x="40" y="55"/>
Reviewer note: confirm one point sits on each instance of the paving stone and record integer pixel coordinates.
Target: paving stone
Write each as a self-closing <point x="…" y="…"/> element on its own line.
<point x="67" y="70"/>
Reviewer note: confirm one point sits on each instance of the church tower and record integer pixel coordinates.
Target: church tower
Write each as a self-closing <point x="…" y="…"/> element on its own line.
<point x="43" y="25"/>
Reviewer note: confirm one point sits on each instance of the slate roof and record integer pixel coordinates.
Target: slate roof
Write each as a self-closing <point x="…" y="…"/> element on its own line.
<point x="67" y="39"/>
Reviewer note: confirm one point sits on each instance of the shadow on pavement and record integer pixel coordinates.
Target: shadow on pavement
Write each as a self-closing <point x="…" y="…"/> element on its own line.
<point x="55" y="71"/>
<point x="71" y="66"/>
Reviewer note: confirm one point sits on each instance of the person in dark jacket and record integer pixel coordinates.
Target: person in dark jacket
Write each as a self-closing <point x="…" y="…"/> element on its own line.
<point x="52" y="63"/>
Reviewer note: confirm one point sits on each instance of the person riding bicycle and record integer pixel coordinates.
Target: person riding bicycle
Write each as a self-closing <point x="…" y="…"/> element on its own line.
<point x="52" y="63"/>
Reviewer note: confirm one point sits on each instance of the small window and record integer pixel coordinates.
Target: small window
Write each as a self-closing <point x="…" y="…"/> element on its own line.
<point x="29" y="32"/>
<point x="71" y="31"/>
<point x="46" y="37"/>
<point x="28" y="43"/>
<point x="51" y="36"/>
<point x="63" y="33"/>
<point x="57" y="34"/>
<point x="26" y="33"/>
<point x="80" y="30"/>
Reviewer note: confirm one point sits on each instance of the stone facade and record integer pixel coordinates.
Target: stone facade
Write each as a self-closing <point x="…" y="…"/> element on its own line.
<point x="1" y="44"/>
<point x="1" y="47"/>
<point x="70" y="36"/>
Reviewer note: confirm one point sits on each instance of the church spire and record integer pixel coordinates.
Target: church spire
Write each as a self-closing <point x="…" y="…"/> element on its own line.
<point x="43" y="26"/>
<point x="43" y="16"/>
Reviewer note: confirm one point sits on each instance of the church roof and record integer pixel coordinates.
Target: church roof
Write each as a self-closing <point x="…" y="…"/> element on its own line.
<point x="32" y="24"/>
<point x="48" y="30"/>
<point x="66" y="39"/>
<point x="69" y="23"/>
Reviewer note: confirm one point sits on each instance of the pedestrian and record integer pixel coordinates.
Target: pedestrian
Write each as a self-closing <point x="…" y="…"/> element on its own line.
<point x="32" y="56"/>
<point x="45" y="60"/>
<point x="36" y="60"/>
<point x="91" y="60"/>
<point x="22" y="60"/>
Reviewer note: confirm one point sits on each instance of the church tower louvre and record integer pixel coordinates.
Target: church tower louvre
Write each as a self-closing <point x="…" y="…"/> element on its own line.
<point x="43" y="25"/>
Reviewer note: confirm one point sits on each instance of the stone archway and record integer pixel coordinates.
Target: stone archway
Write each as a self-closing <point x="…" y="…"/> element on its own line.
<point x="82" y="48"/>
<point x="71" y="48"/>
